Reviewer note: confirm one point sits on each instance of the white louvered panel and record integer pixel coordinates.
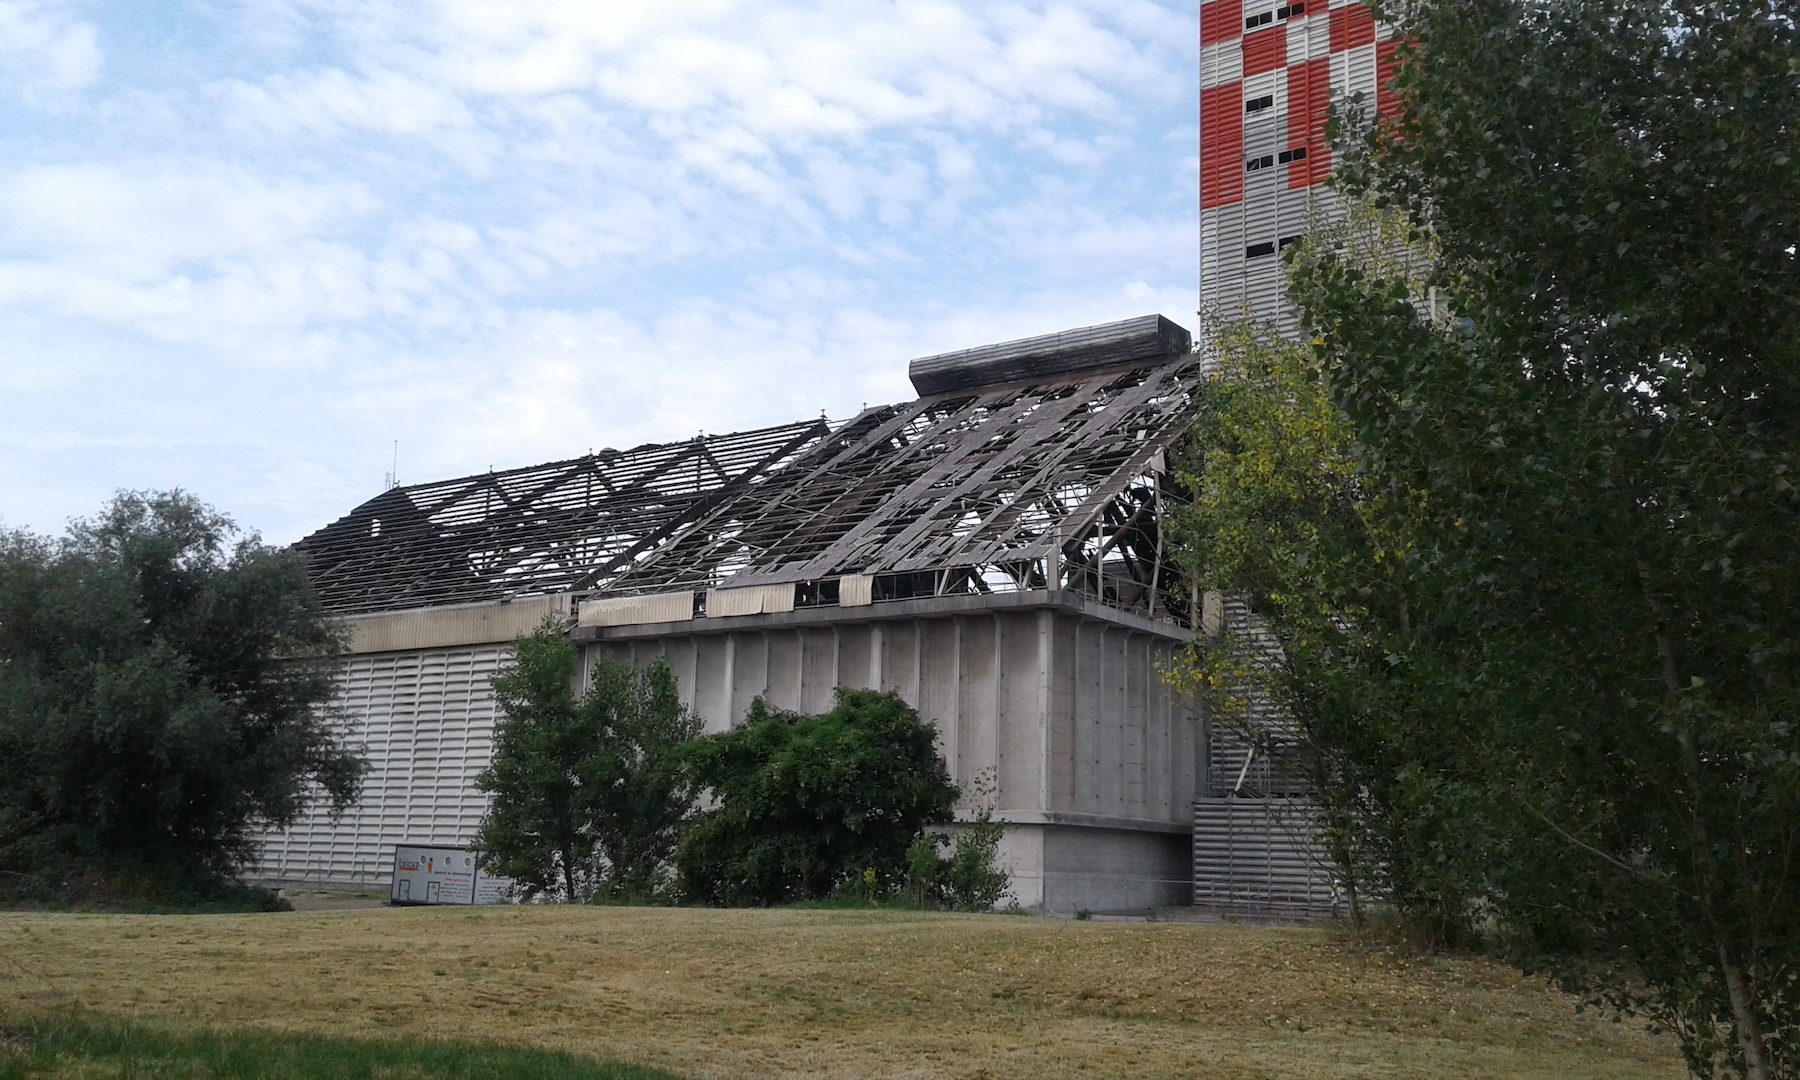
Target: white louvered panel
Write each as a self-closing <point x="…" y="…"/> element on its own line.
<point x="1221" y="63"/>
<point x="1340" y="77"/>
<point x="1294" y="209"/>
<point x="1361" y="73"/>
<point x="1265" y="288"/>
<point x="1318" y="37"/>
<point x="1299" y="38"/>
<point x="424" y="722"/>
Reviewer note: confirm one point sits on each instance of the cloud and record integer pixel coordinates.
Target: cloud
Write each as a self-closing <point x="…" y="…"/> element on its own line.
<point x="44" y="50"/>
<point x="503" y="233"/>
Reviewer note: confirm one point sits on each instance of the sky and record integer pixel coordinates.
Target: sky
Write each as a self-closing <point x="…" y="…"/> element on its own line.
<point x="245" y="248"/>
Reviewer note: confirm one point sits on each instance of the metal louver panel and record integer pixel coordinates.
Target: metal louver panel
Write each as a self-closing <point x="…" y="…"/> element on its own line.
<point x="1257" y="856"/>
<point x="424" y="721"/>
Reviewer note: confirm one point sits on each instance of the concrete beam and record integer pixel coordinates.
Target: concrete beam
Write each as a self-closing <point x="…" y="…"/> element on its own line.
<point x="924" y="608"/>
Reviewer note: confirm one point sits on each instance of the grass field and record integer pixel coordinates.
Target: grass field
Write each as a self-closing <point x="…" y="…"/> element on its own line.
<point x="741" y="994"/>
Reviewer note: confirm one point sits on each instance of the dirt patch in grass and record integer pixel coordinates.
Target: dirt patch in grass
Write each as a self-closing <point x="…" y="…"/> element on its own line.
<point x="831" y="993"/>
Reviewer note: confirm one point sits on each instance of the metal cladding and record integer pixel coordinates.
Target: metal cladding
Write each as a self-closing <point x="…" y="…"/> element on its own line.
<point x="1270" y="72"/>
<point x="1045" y="482"/>
<point x="1147" y="337"/>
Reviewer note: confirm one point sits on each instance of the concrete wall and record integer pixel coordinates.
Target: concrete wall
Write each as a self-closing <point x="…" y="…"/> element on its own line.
<point x="1095" y="764"/>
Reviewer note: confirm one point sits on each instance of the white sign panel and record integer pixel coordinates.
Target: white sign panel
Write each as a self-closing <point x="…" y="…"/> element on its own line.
<point x="434" y="875"/>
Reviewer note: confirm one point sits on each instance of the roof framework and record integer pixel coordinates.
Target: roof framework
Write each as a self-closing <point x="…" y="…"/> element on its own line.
<point x="1048" y="482"/>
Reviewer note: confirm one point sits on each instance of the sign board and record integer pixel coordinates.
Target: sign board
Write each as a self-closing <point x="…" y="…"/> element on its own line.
<point x="435" y="875"/>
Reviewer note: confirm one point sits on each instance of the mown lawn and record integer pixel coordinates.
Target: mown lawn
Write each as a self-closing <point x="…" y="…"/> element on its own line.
<point x="740" y="994"/>
<point x="66" y="1045"/>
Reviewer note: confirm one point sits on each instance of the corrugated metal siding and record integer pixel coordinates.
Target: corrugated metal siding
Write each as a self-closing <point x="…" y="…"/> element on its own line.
<point x="1258" y="856"/>
<point x="856" y="590"/>
<point x="753" y="600"/>
<point x="637" y="610"/>
<point x="425" y="722"/>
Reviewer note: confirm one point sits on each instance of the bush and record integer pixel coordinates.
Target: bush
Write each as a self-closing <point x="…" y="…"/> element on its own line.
<point x="966" y="879"/>
<point x="804" y="805"/>
<point x="165" y="694"/>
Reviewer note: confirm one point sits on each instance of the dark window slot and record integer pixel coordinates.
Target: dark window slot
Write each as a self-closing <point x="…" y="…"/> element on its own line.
<point x="1290" y="11"/>
<point x="1267" y="161"/>
<point x="1267" y="101"/>
<point x="1286" y="240"/>
<point x="1298" y="153"/>
<point x="1254" y="21"/>
<point x="1257" y="250"/>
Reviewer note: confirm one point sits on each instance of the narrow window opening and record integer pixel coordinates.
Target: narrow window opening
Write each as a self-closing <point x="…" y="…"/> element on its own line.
<point x="1254" y="21"/>
<point x="1258" y="250"/>
<point x="1267" y="101"/>
<point x="1267" y="161"/>
<point x="1286" y="240"/>
<point x="1298" y="153"/>
<point x="1290" y="11"/>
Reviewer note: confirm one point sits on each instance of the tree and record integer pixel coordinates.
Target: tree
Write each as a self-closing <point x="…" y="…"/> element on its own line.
<point x="586" y="797"/>
<point x="802" y="804"/>
<point x="165" y="694"/>
<point x="1278" y="514"/>
<point x="1598" y="443"/>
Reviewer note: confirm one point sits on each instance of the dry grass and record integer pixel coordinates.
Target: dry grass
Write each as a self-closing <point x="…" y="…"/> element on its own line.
<point x="830" y="993"/>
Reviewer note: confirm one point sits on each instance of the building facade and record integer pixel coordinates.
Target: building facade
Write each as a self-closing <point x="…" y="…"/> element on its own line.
<point x="1270" y="73"/>
<point x="989" y="551"/>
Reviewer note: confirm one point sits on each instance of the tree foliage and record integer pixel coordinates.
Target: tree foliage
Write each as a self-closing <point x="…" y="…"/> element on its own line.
<point x="1278" y="514"/>
<point x="165" y="693"/>
<point x="587" y="798"/>
<point x="1588" y="439"/>
<point x="802" y="804"/>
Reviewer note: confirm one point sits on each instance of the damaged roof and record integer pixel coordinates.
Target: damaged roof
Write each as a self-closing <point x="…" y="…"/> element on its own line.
<point x="1019" y="463"/>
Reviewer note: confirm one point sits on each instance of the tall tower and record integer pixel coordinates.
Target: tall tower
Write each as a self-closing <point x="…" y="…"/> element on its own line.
<point x="1269" y="70"/>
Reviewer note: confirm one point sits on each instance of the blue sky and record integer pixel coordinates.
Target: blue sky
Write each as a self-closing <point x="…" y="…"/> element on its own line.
<point x="246" y="247"/>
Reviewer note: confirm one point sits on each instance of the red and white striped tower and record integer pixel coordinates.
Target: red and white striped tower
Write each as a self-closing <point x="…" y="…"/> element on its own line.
<point x="1268" y="71"/>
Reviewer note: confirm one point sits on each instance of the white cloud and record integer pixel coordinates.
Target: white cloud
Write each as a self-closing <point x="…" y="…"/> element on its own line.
<point x="44" y="49"/>
<point x="506" y="232"/>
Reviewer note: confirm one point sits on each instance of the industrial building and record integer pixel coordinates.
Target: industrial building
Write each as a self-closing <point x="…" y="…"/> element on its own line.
<point x="989" y="551"/>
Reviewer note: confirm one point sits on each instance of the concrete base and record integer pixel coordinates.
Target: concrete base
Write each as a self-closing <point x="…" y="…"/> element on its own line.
<point x="1059" y="870"/>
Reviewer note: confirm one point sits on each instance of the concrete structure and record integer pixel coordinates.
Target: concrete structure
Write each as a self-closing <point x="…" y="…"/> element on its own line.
<point x="990" y="552"/>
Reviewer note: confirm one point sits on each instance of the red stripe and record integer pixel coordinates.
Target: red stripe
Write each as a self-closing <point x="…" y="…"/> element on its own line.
<point x="1221" y="20"/>
<point x="1221" y="145"/>
<point x="1265" y="50"/>
<point x="1386" y="101"/>
<point x="1309" y="100"/>
<point x="1351" y="26"/>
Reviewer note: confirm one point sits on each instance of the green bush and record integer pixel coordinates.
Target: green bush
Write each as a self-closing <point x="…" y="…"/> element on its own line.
<point x="805" y="805"/>
<point x="967" y="878"/>
<point x="166" y="693"/>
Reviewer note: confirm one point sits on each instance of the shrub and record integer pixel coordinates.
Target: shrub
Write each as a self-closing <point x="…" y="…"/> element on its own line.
<point x="804" y="804"/>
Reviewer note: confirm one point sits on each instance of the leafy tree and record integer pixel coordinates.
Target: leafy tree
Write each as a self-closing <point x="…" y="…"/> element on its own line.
<point x="1598" y="434"/>
<point x="165" y="694"/>
<point x="1278" y="514"/>
<point x="802" y="804"/>
<point x="586" y="796"/>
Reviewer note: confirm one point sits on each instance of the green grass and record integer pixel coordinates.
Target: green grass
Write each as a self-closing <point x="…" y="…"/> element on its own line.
<point x="70" y="1046"/>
